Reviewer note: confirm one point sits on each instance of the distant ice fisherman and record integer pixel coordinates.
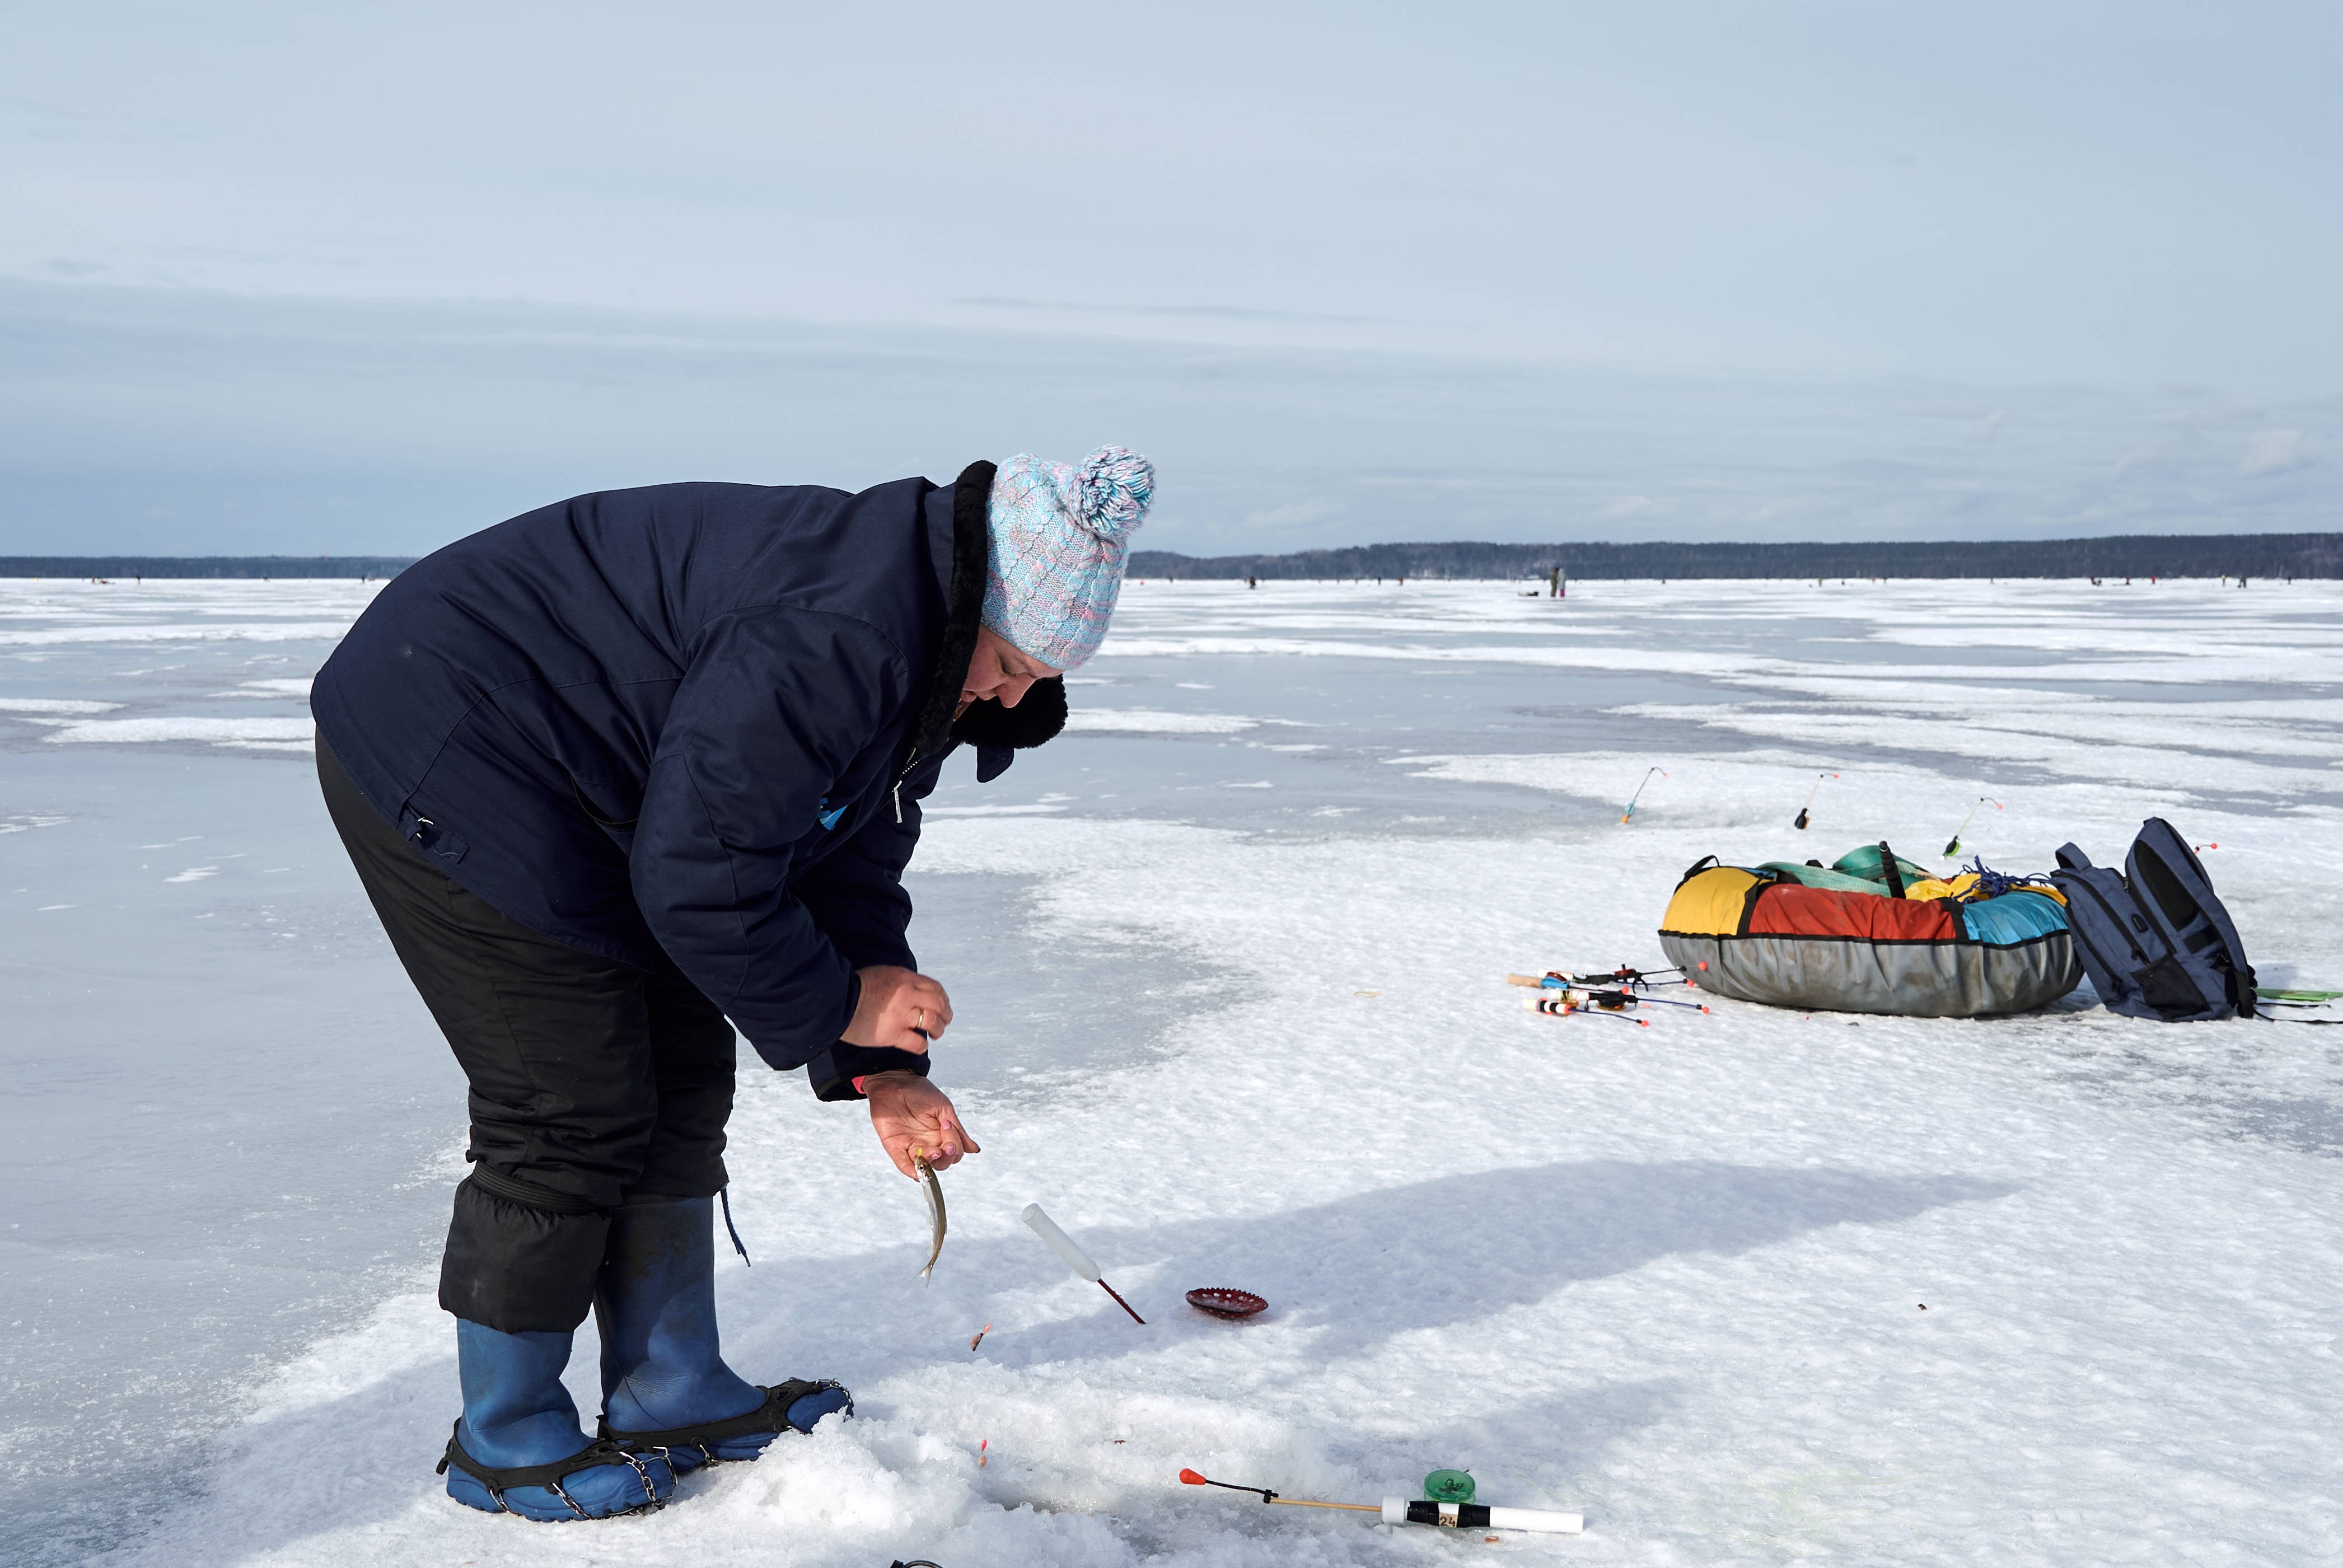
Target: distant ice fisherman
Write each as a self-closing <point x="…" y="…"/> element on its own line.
<point x="620" y="770"/>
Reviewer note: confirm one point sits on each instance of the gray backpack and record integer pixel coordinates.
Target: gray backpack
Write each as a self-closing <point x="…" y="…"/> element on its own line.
<point x="2153" y="937"/>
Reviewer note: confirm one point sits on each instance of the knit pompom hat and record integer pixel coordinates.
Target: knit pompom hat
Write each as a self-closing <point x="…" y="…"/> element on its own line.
<point x="1059" y="538"/>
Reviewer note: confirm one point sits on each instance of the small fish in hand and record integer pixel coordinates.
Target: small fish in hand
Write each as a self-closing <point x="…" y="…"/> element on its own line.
<point x="935" y="1191"/>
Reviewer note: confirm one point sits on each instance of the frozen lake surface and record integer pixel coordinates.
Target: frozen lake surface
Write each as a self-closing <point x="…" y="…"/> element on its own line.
<point x="1228" y="963"/>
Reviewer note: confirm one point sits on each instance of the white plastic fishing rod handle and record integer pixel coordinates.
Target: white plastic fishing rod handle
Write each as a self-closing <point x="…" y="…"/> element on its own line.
<point x="1536" y="1519"/>
<point x="1061" y="1243"/>
<point x="1467" y="1515"/>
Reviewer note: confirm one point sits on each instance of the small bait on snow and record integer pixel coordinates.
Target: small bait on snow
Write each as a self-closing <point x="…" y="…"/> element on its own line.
<point x="1366" y="993"/>
<point x="977" y="1337"/>
<point x="982" y="1444"/>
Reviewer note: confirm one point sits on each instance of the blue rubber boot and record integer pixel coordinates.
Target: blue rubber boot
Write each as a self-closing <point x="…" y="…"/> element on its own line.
<point x="519" y="1449"/>
<point x="665" y="1385"/>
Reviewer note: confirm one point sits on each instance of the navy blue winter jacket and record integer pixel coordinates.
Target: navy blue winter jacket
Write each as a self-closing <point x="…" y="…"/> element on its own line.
<point x="696" y="719"/>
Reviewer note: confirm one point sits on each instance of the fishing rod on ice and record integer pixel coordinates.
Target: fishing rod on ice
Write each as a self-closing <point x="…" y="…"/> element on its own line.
<point x="1591" y="990"/>
<point x="1561" y="1004"/>
<point x="1070" y="1252"/>
<point x="1400" y="1511"/>
<point x="1953" y="846"/>
<point x="1639" y="979"/>
<point x="1559" y="1001"/>
<point x="1630" y="812"/>
<point x="1809" y="805"/>
<point x="1636" y="979"/>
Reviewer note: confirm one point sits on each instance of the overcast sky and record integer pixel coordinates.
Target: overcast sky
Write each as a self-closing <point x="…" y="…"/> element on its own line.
<point x="313" y="278"/>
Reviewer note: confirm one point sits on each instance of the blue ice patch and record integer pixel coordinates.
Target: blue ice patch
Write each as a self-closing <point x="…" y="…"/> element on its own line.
<point x="828" y="819"/>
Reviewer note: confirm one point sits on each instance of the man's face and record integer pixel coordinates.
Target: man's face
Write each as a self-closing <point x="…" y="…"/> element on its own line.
<point x="1000" y="671"/>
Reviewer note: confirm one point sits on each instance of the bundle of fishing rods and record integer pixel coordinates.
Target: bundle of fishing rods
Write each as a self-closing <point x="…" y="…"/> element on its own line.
<point x="1608" y="995"/>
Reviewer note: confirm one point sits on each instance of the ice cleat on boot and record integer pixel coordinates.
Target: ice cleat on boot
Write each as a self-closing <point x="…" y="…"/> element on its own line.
<point x="665" y="1386"/>
<point x="792" y="1406"/>
<point x="518" y="1447"/>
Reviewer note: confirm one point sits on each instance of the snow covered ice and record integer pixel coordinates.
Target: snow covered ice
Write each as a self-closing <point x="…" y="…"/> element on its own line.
<point x="1228" y="961"/>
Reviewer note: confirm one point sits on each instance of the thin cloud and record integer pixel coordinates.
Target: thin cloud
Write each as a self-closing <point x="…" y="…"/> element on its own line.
<point x="2273" y="452"/>
<point x="1194" y="312"/>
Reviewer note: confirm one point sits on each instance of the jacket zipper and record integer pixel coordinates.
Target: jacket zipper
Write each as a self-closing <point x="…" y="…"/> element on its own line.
<point x="906" y="773"/>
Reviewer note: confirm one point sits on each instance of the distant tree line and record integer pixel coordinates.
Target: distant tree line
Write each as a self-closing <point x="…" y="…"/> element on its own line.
<point x="203" y="566"/>
<point x="2121" y="554"/>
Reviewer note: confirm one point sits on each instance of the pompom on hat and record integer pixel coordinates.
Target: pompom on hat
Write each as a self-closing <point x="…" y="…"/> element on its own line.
<point x="1059" y="537"/>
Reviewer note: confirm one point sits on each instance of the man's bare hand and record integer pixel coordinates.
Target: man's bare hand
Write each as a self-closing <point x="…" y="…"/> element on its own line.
<point x="912" y="1116"/>
<point x="899" y="1008"/>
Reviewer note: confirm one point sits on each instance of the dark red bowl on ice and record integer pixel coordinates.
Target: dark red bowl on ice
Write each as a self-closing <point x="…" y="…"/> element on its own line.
<point x="1223" y="1302"/>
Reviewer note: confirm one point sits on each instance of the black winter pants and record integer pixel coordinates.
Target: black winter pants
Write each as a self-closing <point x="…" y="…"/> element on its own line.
<point x="591" y="1082"/>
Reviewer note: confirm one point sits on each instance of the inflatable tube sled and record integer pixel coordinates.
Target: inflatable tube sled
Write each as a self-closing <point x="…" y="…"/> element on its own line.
<point x="1874" y="933"/>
